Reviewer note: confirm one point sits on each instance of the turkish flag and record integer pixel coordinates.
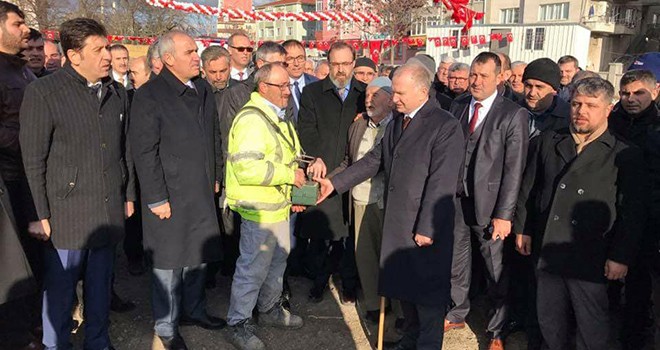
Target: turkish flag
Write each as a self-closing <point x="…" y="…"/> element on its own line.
<point x="453" y="41"/>
<point x="482" y="39"/>
<point x="395" y="43"/>
<point x="465" y="41"/>
<point x="386" y="44"/>
<point x="474" y="40"/>
<point x="437" y="42"/>
<point x="493" y="36"/>
<point x="374" y="50"/>
<point x="365" y="44"/>
<point x="445" y="41"/>
<point x="509" y="37"/>
<point x="356" y="45"/>
<point x="420" y="42"/>
<point x="311" y="44"/>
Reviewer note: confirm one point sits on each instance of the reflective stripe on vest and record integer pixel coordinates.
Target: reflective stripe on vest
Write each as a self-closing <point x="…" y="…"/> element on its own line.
<point x="248" y="155"/>
<point x="249" y="205"/>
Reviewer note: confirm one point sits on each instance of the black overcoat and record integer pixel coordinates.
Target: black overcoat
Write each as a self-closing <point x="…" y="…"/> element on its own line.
<point x="75" y="154"/>
<point x="323" y="122"/>
<point x="15" y="274"/>
<point x="176" y="146"/>
<point x="582" y="209"/>
<point x="421" y="166"/>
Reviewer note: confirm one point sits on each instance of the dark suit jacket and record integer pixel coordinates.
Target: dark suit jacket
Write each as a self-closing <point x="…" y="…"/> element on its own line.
<point x="558" y="116"/>
<point x="500" y="158"/>
<point x="582" y="210"/>
<point x="295" y="108"/>
<point x="421" y="165"/>
<point x="76" y="160"/>
<point x="323" y="124"/>
<point x="175" y="143"/>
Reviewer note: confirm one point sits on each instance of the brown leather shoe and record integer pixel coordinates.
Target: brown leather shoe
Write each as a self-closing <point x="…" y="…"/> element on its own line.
<point x="496" y="344"/>
<point x="450" y="325"/>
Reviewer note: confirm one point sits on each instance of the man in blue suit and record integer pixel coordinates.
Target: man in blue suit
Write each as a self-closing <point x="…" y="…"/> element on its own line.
<point x="295" y="62"/>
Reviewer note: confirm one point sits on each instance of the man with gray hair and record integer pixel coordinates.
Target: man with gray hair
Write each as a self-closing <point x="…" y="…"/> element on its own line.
<point x="215" y="66"/>
<point x="419" y="205"/>
<point x="515" y="80"/>
<point x="138" y="71"/>
<point x="261" y="172"/>
<point x="457" y="79"/>
<point x="178" y="180"/>
<point x="367" y="198"/>
<point x="580" y="212"/>
<point x="153" y="59"/>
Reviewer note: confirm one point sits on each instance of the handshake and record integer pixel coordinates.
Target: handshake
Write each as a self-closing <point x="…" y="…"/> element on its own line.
<point x="310" y="188"/>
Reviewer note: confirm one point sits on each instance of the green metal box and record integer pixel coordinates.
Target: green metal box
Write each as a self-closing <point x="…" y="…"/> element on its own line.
<point x="307" y="195"/>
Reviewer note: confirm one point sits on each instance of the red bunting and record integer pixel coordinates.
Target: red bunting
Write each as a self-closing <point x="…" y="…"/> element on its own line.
<point x="482" y="39"/>
<point x="473" y="39"/>
<point x="437" y="42"/>
<point x="445" y="41"/>
<point x="465" y="41"/>
<point x="509" y="37"/>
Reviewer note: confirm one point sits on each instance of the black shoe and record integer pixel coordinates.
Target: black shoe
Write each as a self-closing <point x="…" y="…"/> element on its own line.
<point x="120" y="306"/>
<point x="348" y="296"/>
<point x="398" y="325"/>
<point x="173" y="343"/>
<point x="137" y="267"/>
<point x="316" y="294"/>
<point x="207" y="322"/>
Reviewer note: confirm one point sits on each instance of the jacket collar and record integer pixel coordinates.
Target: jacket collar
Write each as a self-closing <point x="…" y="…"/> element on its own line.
<point x="12" y="60"/>
<point x="68" y="69"/>
<point x="648" y="116"/>
<point x="174" y="82"/>
<point x="566" y="146"/>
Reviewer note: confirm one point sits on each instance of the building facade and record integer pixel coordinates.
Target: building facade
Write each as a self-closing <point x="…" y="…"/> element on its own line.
<point x="283" y="29"/>
<point x="596" y="32"/>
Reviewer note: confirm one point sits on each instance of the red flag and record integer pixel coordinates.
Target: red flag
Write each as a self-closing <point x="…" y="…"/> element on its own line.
<point x="386" y="44"/>
<point x="356" y="45"/>
<point x="445" y="41"/>
<point x="374" y="49"/>
<point x="437" y="42"/>
<point x="395" y="43"/>
<point x="365" y="44"/>
<point x="482" y="39"/>
<point x="311" y="45"/>
<point x="473" y="40"/>
<point x="509" y="37"/>
<point x="493" y="36"/>
<point x="452" y="41"/>
<point x="465" y="41"/>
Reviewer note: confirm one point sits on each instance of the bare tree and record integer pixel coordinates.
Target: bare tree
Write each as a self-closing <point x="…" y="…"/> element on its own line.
<point x="44" y="14"/>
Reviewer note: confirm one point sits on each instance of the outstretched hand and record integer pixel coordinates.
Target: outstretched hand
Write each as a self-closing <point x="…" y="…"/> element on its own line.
<point x="326" y="189"/>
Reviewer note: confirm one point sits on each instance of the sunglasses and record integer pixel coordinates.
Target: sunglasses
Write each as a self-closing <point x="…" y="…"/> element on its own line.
<point x="242" y="48"/>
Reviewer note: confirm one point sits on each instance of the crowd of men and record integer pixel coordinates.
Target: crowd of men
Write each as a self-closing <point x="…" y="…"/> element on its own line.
<point x="523" y="182"/>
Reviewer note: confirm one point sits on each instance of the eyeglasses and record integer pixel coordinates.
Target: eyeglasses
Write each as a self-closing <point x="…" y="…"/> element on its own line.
<point x="298" y="59"/>
<point x="285" y="86"/>
<point x="457" y="79"/>
<point x="341" y="64"/>
<point x="242" y="48"/>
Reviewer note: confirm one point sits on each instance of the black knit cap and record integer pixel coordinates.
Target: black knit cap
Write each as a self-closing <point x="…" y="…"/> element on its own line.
<point x="545" y="70"/>
<point x="365" y="62"/>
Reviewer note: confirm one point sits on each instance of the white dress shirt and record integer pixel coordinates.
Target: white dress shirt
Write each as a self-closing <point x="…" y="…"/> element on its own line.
<point x="413" y="113"/>
<point x="118" y="78"/>
<point x="234" y="74"/>
<point x="483" y="111"/>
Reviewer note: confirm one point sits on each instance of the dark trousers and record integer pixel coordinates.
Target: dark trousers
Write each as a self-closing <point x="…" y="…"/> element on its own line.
<point x="175" y="289"/>
<point x="63" y="269"/>
<point x="522" y="294"/>
<point x="559" y="298"/>
<point x="24" y="212"/>
<point x="423" y="327"/>
<point x="133" y="247"/>
<point x="330" y="256"/>
<point x="492" y="253"/>
<point x="636" y="312"/>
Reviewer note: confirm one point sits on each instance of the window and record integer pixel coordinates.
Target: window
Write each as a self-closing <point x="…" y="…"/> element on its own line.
<point x="261" y="33"/>
<point x="511" y="15"/>
<point x="289" y="31"/>
<point x="539" y="38"/>
<point x="454" y="33"/>
<point x="529" y="38"/>
<point x="279" y="32"/>
<point x="554" y="12"/>
<point x="319" y="5"/>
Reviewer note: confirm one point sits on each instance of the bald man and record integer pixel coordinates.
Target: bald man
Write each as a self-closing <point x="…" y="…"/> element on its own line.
<point x="138" y="71"/>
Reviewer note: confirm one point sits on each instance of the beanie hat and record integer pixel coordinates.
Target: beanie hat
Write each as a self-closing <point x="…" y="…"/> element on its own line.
<point x="365" y="62"/>
<point x="545" y="70"/>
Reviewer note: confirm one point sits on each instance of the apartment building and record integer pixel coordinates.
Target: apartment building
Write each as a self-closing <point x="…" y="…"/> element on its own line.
<point x="283" y="29"/>
<point x="227" y="27"/>
<point x="596" y="32"/>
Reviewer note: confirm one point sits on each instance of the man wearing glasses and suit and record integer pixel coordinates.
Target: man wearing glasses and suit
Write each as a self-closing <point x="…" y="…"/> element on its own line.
<point x="240" y="48"/>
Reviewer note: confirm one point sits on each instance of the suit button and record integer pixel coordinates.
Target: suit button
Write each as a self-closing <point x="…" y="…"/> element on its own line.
<point x="71" y="184"/>
<point x="396" y="155"/>
<point x="391" y="188"/>
<point x="555" y="218"/>
<point x="100" y="115"/>
<point x="106" y="199"/>
<point x="562" y="186"/>
<point x="573" y="222"/>
<point x="103" y="145"/>
<point x="580" y="191"/>
<point x="2" y="191"/>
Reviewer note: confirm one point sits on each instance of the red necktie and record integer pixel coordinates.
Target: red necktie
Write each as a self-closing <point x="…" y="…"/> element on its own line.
<point x="240" y="76"/>
<point x="406" y="121"/>
<point x="475" y="117"/>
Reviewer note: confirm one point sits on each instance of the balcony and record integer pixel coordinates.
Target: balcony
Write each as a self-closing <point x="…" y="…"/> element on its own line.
<point x="606" y="18"/>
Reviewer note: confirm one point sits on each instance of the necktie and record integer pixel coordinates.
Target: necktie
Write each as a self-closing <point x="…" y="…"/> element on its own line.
<point x="121" y="81"/>
<point x="296" y="90"/>
<point x="475" y="117"/>
<point x="95" y="89"/>
<point x="240" y="76"/>
<point x="406" y="121"/>
<point x="341" y="91"/>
